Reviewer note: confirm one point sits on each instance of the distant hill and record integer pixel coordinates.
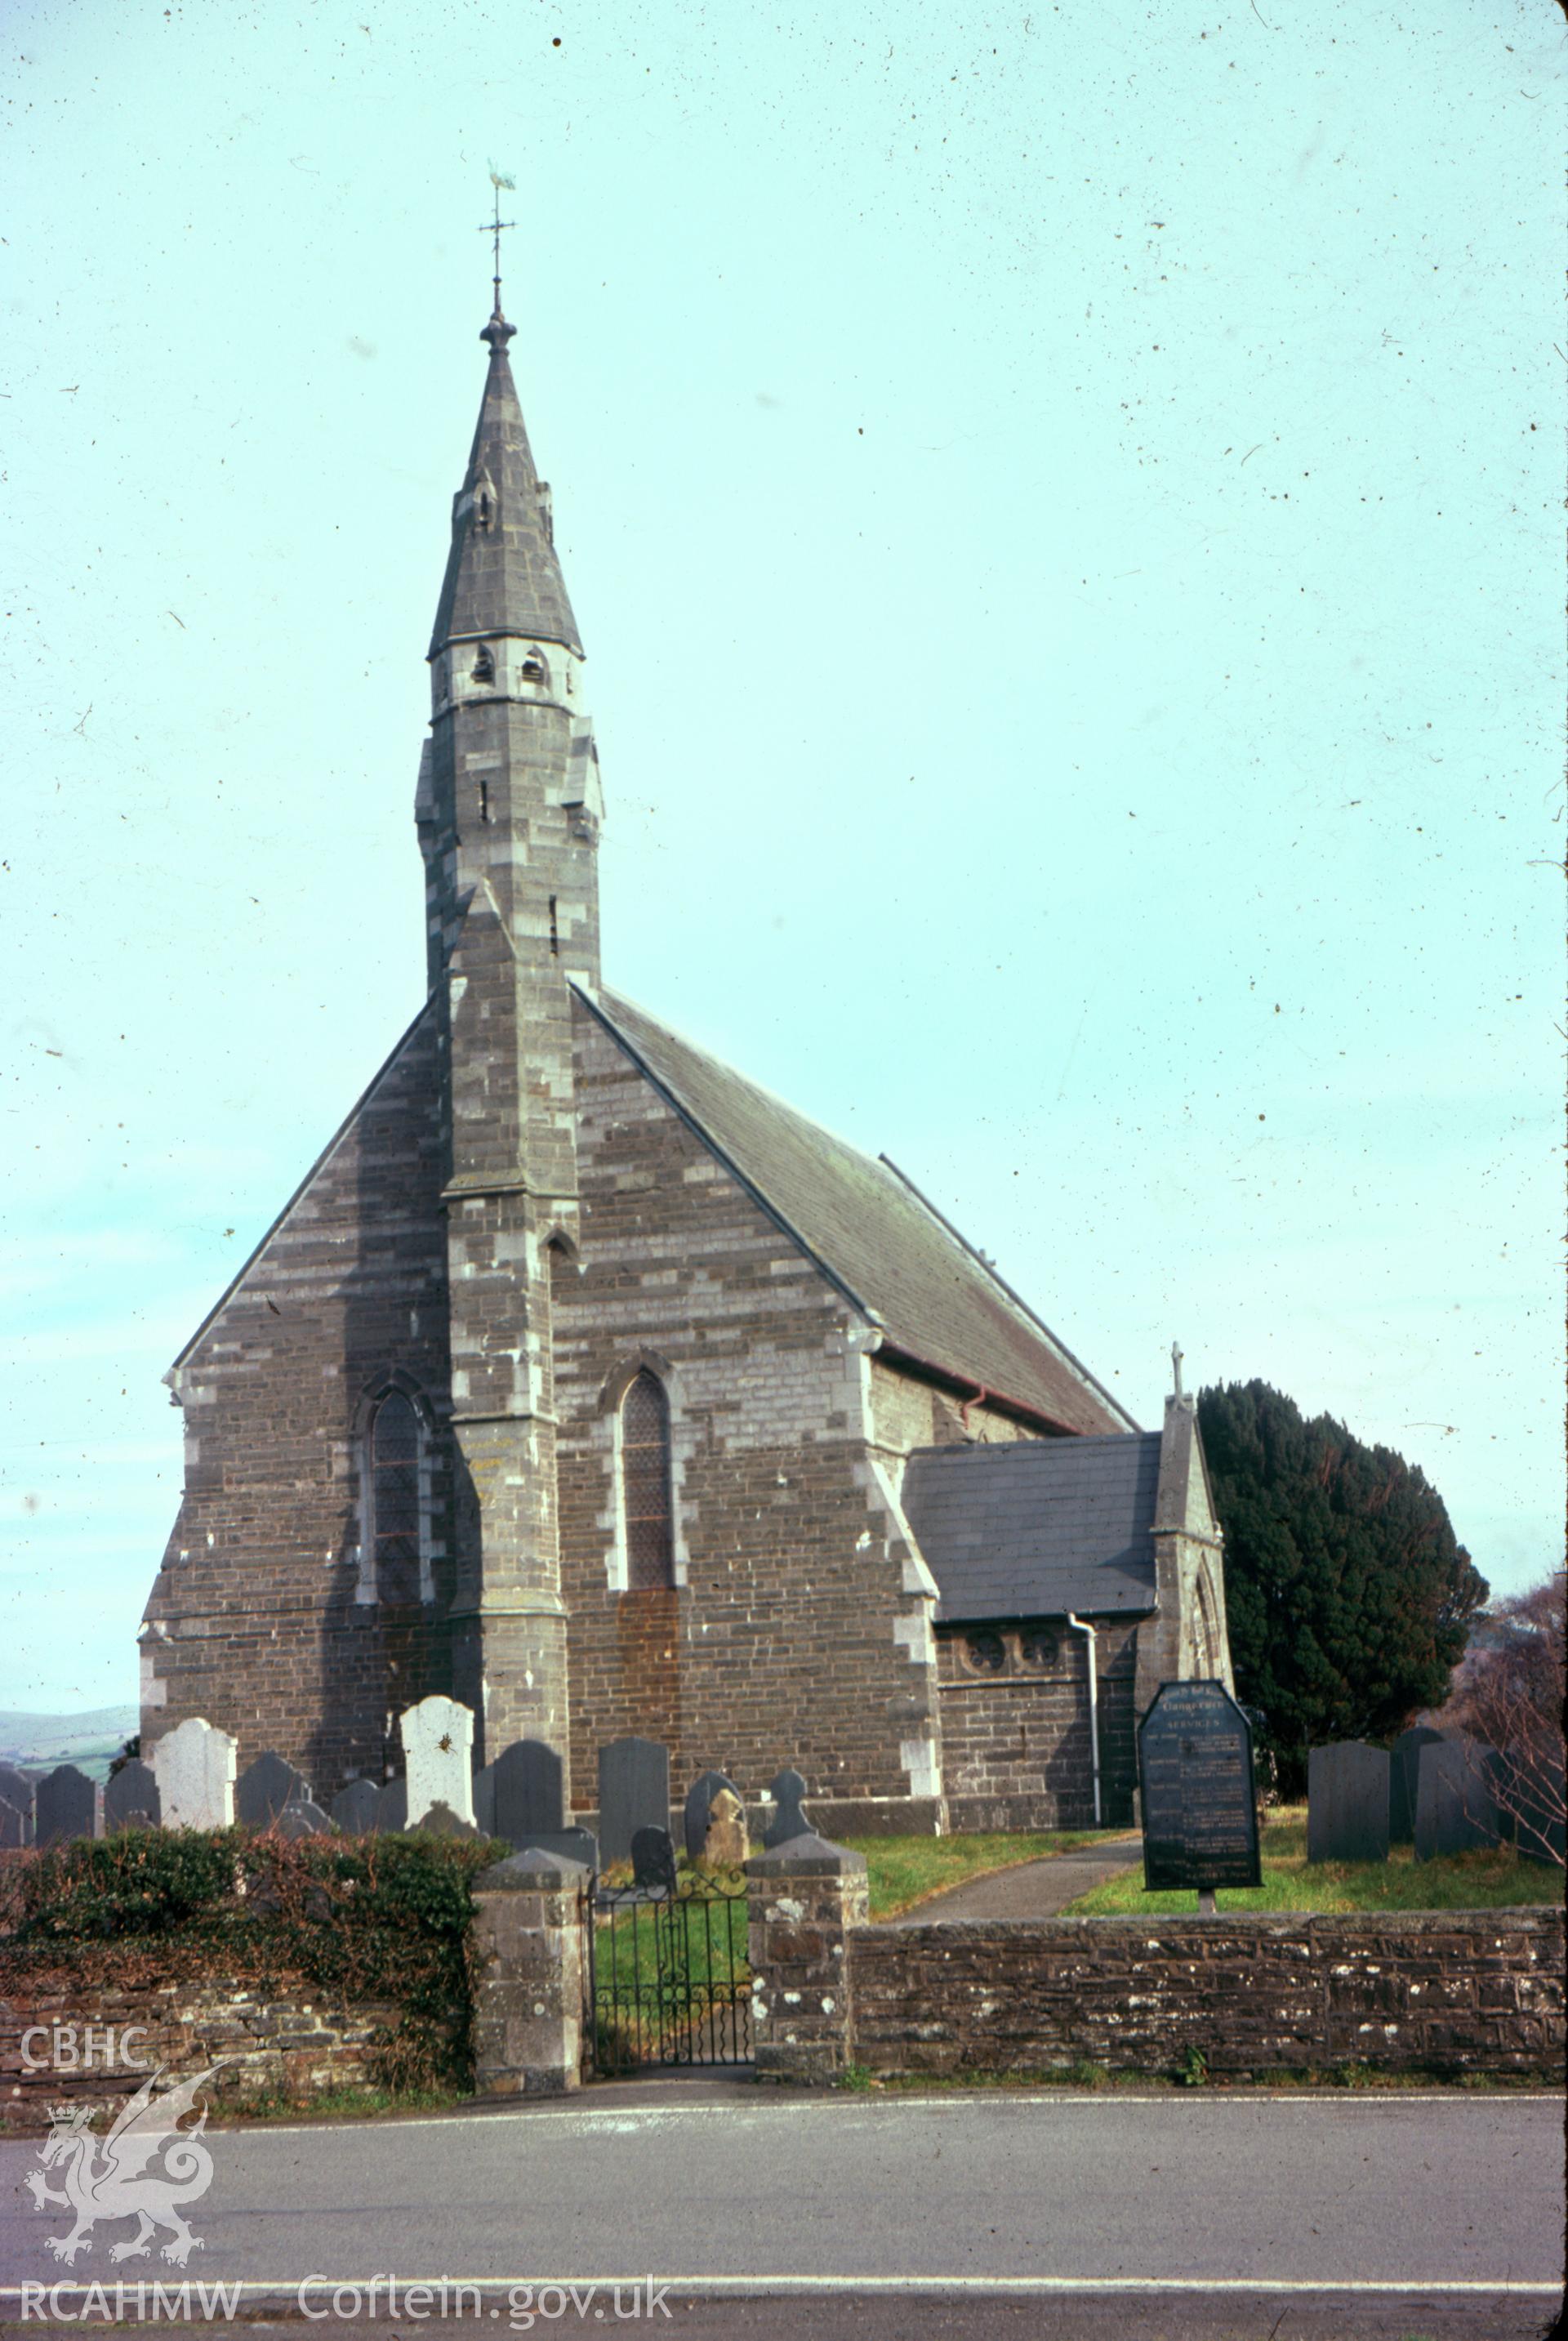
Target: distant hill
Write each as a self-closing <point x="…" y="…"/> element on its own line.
<point x="88" y="1740"/>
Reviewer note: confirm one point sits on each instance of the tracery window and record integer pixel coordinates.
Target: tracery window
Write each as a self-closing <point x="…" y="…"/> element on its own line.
<point x="645" y="1483"/>
<point x="396" y="1457"/>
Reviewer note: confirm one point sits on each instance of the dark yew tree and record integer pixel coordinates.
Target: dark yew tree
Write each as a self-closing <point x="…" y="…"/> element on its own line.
<point x="1347" y="1596"/>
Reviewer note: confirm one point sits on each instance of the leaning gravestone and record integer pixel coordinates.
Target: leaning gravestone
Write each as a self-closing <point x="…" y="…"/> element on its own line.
<point x="654" y="1861"/>
<point x="634" y="1794"/>
<point x="264" y="1789"/>
<point x="1347" y="1802"/>
<point x="530" y="1794"/>
<point x="195" y="1768"/>
<point x="1403" y="1760"/>
<point x="16" y="1789"/>
<point x="699" y="1797"/>
<point x="65" y="1805"/>
<point x="12" y="1827"/>
<point x="789" y="1819"/>
<point x="1196" y="1779"/>
<point x="438" y="1758"/>
<point x="131" y="1799"/>
<point x="301" y="1818"/>
<point x="354" y="1807"/>
<point x="1454" y="1807"/>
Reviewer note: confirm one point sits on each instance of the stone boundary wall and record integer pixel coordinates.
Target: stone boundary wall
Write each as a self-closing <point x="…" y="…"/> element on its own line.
<point x="1482" y="1990"/>
<point x="294" y="2043"/>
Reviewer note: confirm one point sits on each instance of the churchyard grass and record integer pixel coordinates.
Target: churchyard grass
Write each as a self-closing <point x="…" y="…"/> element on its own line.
<point x="903" y="1870"/>
<point x="1479" y="1881"/>
<point x="656" y="1965"/>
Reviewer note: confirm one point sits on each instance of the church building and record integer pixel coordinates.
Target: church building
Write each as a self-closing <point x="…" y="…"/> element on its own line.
<point x="588" y="1382"/>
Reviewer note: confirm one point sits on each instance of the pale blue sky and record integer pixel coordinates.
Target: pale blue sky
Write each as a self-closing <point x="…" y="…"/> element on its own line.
<point x="1063" y="510"/>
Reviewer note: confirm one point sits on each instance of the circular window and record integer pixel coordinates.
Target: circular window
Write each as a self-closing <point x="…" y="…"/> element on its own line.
<point x="985" y="1652"/>
<point x="1038" y="1646"/>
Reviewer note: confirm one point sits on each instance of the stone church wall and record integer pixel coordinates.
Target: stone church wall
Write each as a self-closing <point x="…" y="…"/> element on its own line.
<point x="791" y="1637"/>
<point x="1015" y="1726"/>
<point x="258" y="1620"/>
<point x="908" y="1412"/>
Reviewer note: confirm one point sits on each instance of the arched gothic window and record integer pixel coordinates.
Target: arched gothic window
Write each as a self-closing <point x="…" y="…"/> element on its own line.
<point x="535" y="668"/>
<point x="485" y="664"/>
<point x="645" y="1483"/>
<point x="396" y="1458"/>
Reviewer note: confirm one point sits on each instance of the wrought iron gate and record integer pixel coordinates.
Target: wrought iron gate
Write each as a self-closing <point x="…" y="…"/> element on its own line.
<point x="667" y="1980"/>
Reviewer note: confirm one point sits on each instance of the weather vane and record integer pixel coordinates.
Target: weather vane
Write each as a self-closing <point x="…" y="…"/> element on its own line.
<point x="492" y="227"/>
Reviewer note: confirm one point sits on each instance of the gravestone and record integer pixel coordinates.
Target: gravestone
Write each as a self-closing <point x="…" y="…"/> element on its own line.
<point x="354" y="1807"/>
<point x="65" y="1805"/>
<point x="391" y="1808"/>
<point x="131" y="1799"/>
<point x="699" y="1797"/>
<point x="194" y="1766"/>
<point x="1455" y="1808"/>
<point x="264" y="1789"/>
<point x="571" y="1845"/>
<point x="12" y="1827"/>
<point x="1403" y="1758"/>
<point x="301" y="1818"/>
<point x="726" y="1846"/>
<point x="1347" y="1802"/>
<point x="1195" y="1777"/>
<point x="484" y="1800"/>
<point x="438" y="1758"/>
<point x="634" y="1794"/>
<point x="530" y="1794"/>
<point x="653" y="1860"/>
<point x="17" y="1790"/>
<point x="789" y="1818"/>
<point x="442" y="1821"/>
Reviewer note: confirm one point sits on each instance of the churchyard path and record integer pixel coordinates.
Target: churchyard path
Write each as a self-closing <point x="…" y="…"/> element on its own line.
<point x="1032" y="1889"/>
<point x="972" y="2212"/>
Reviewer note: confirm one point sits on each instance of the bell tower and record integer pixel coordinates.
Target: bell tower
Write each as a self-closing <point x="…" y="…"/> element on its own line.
<point x="508" y="812"/>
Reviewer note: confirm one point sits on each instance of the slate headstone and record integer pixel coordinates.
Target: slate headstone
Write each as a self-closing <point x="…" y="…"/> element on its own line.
<point x="195" y="1768"/>
<point x="634" y="1794"/>
<point x="438" y="1758"/>
<point x="1403" y="1758"/>
<point x="442" y="1821"/>
<point x="1455" y="1809"/>
<point x="16" y="1789"/>
<point x="1347" y="1802"/>
<point x="572" y="1844"/>
<point x="1199" y="1799"/>
<point x="484" y="1800"/>
<point x="353" y="1807"/>
<point x="653" y="1860"/>
<point x="13" y="1826"/>
<point x="699" y="1797"/>
<point x="529" y="1793"/>
<point x="65" y="1805"/>
<point x="264" y="1789"/>
<point x="301" y="1818"/>
<point x="391" y="1808"/>
<point x="131" y="1797"/>
<point x="789" y="1818"/>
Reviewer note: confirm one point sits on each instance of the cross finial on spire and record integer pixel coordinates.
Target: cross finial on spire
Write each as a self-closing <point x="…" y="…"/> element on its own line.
<point x="1176" y="1365"/>
<point x="498" y="333"/>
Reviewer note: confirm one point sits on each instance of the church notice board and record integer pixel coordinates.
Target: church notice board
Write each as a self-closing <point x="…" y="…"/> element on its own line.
<point x="1194" y="1773"/>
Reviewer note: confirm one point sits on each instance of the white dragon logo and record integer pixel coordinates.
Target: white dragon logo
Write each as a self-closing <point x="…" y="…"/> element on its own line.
<point x="108" y="2179"/>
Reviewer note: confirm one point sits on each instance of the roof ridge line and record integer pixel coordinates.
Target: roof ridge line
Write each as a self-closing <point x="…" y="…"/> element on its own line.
<point x="1015" y="1297"/>
<point x="589" y="995"/>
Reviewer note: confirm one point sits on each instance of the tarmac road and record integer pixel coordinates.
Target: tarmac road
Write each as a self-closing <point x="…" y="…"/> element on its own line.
<point x="976" y="2206"/>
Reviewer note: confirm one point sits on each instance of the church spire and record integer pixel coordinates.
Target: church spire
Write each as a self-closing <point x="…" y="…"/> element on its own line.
<point x="503" y="576"/>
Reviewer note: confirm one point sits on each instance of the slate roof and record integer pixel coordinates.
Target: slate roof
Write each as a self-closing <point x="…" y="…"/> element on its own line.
<point x="504" y="579"/>
<point x="935" y="1298"/>
<point x="1037" y="1528"/>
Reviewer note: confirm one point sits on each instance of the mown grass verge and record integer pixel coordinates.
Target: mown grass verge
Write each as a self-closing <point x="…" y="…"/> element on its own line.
<point x="1481" y="1880"/>
<point x="904" y="1870"/>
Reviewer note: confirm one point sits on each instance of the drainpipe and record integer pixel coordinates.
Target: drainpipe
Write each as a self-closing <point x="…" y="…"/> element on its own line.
<point x="1088" y="1634"/>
